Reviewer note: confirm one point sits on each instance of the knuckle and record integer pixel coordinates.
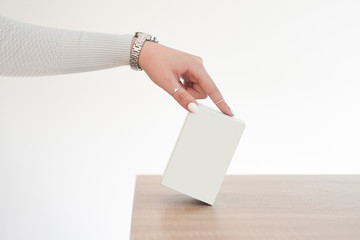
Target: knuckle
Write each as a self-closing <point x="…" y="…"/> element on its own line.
<point x="196" y="67"/>
<point x="203" y="96"/>
<point x="199" y="59"/>
<point x="182" y="96"/>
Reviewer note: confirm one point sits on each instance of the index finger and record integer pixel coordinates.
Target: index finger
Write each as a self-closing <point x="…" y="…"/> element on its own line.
<point x="211" y="89"/>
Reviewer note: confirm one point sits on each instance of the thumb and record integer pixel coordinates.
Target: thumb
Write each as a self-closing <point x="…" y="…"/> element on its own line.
<point x="186" y="100"/>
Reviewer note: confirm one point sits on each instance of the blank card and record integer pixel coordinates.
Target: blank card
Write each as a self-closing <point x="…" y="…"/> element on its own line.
<point x="202" y="153"/>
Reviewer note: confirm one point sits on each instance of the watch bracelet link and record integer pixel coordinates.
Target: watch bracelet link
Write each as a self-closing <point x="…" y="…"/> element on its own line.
<point x="136" y="49"/>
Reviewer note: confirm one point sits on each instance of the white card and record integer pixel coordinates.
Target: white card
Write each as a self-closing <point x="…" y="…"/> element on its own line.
<point x="202" y="153"/>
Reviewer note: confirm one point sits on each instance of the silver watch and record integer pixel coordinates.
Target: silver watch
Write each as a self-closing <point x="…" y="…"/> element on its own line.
<point x="135" y="51"/>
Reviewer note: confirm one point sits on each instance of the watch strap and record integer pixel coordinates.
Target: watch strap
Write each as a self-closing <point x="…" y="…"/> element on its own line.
<point x="136" y="49"/>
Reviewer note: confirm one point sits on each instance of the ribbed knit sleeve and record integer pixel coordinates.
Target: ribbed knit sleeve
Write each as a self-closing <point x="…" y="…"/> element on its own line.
<point x="33" y="50"/>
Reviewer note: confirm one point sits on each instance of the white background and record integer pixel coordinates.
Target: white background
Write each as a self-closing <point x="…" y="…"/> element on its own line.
<point x="71" y="145"/>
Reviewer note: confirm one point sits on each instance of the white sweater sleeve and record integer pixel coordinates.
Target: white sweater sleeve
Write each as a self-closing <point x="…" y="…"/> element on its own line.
<point x="33" y="50"/>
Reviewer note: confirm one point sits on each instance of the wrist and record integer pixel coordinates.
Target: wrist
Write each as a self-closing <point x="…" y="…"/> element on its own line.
<point x="144" y="51"/>
<point x="145" y="54"/>
<point x="140" y="46"/>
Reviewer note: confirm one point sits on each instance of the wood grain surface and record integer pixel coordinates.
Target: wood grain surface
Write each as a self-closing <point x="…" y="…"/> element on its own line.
<point x="251" y="207"/>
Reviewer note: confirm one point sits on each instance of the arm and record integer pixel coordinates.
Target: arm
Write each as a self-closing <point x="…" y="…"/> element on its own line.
<point x="33" y="50"/>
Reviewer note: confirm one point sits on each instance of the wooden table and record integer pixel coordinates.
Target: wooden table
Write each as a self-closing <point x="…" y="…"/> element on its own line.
<point x="268" y="207"/>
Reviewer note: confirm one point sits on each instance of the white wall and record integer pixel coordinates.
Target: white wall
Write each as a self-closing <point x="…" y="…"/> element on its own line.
<point x="71" y="145"/>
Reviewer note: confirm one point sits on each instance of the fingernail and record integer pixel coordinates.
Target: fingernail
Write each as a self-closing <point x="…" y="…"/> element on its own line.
<point x="193" y="107"/>
<point x="232" y="112"/>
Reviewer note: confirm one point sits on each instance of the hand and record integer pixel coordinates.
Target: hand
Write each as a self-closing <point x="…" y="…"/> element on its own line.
<point x="166" y="67"/>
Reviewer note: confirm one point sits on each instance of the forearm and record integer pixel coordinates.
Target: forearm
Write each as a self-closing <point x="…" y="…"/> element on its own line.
<point x="89" y="51"/>
<point x="32" y="50"/>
